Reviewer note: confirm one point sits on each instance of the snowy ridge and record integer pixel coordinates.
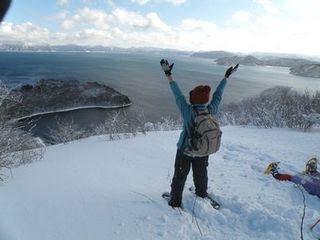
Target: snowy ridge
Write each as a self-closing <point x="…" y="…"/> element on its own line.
<point x="73" y="109"/>
<point x="98" y="189"/>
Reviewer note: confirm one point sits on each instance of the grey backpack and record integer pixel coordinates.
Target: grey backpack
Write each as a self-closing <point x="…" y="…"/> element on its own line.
<point x="206" y="135"/>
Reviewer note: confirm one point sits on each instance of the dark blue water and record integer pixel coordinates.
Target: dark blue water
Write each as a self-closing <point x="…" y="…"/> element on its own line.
<point x="140" y="77"/>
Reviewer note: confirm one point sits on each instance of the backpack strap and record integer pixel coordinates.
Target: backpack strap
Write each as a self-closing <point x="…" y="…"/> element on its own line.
<point x="201" y="112"/>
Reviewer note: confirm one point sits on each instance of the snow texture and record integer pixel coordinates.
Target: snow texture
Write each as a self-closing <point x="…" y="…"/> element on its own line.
<point x="99" y="189"/>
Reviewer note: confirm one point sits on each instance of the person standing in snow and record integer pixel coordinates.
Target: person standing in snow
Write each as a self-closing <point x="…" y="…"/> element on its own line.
<point x="199" y="102"/>
<point x="309" y="180"/>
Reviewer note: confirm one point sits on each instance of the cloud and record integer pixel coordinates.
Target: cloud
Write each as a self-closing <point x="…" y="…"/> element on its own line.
<point x="61" y="15"/>
<point x="111" y="3"/>
<point x="68" y="24"/>
<point x="264" y="35"/>
<point x="156" y="23"/>
<point x="27" y="32"/>
<point x="135" y="20"/>
<point x="241" y="17"/>
<point x="118" y="17"/>
<point x="294" y="30"/>
<point x="141" y="2"/>
<point x="128" y="18"/>
<point x="268" y="5"/>
<point x="85" y="17"/>
<point x="177" y="2"/>
<point x="97" y="18"/>
<point x="144" y="2"/>
<point x="198" y="25"/>
<point x="62" y="2"/>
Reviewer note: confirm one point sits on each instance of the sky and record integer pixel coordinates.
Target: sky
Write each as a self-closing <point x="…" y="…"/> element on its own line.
<point x="277" y="26"/>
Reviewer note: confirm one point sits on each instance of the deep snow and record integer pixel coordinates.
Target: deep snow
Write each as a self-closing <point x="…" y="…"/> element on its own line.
<point x="98" y="189"/>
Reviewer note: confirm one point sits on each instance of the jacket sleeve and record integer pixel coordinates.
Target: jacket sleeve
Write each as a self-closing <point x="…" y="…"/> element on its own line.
<point x="282" y="177"/>
<point x="180" y="98"/>
<point x="296" y="179"/>
<point x="217" y="96"/>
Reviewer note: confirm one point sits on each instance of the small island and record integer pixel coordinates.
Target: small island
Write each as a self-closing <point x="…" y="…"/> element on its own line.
<point x="52" y="95"/>
<point x="306" y="70"/>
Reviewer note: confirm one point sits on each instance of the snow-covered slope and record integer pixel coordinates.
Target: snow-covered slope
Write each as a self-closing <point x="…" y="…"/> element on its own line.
<point x="97" y="189"/>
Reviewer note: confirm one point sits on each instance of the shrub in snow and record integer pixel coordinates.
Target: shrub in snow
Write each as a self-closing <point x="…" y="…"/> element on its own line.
<point x="315" y="102"/>
<point x="275" y="107"/>
<point x="166" y="124"/>
<point x="119" y="123"/>
<point x="66" y="131"/>
<point x="17" y="147"/>
<point x="8" y="98"/>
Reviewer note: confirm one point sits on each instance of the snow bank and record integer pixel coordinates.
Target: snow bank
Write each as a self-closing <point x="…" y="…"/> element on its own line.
<point x="98" y="189"/>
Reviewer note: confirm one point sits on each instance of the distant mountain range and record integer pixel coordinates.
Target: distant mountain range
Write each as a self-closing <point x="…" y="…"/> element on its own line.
<point x="227" y="58"/>
<point x="298" y="66"/>
<point x="22" y="47"/>
<point x="213" y="54"/>
<point x="253" y="61"/>
<point x="301" y="65"/>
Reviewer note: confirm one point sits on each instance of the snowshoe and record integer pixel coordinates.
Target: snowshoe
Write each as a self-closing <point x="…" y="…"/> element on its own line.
<point x="209" y="198"/>
<point x="272" y="168"/>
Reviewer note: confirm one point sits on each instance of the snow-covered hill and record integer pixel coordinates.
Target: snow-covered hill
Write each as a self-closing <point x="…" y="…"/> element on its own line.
<point x="97" y="189"/>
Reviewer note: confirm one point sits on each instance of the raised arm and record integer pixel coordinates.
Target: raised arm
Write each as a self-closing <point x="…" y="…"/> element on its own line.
<point x="179" y="97"/>
<point x="217" y="95"/>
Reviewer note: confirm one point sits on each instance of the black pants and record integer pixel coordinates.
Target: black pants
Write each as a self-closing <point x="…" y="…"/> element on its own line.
<point x="181" y="169"/>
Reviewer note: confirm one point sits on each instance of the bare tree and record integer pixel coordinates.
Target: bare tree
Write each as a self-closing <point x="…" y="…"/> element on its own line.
<point x="119" y="123"/>
<point x="9" y="99"/>
<point x="66" y="131"/>
<point x="17" y="147"/>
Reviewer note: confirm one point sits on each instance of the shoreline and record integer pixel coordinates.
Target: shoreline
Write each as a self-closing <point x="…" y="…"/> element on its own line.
<point x="70" y="110"/>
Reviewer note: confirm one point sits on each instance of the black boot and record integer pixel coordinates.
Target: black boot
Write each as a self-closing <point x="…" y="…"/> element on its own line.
<point x="174" y="203"/>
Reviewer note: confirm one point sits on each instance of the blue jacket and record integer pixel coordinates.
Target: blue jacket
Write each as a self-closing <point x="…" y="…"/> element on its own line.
<point x="187" y="112"/>
<point x="310" y="183"/>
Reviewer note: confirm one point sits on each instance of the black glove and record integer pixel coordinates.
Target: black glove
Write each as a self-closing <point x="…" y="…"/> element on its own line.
<point x="166" y="67"/>
<point x="231" y="70"/>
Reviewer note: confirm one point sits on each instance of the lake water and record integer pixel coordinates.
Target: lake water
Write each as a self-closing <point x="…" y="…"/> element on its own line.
<point x="140" y="77"/>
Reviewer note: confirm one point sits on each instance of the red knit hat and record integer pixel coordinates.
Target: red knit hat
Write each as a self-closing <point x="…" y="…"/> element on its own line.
<point x="200" y="94"/>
